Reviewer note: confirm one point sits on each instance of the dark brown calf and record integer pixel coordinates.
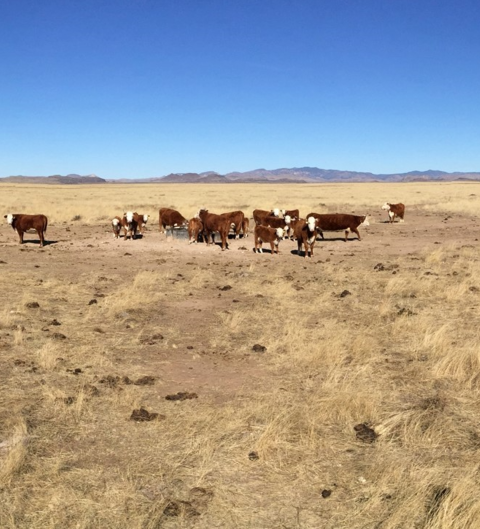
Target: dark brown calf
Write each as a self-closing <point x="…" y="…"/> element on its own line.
<point x="277" y="222"/>
<point x="22" y="223"/>
<point x="292" y="213"/>
<point x="270" y="235"/>
<point x="214" y="223"/>
<point x="395" y="210"/>
<point x="195" y="227"/>
<point x="339" y="222"/>
<point x="171" y="217"/>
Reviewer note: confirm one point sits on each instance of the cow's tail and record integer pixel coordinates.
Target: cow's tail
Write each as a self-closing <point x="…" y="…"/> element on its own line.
<point x="45" y="224"/>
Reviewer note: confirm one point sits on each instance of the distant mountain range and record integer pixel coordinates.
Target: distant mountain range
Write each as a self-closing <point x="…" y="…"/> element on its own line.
<point x="277" y="176"/>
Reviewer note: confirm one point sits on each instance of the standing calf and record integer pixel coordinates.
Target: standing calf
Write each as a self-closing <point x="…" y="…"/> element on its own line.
<point x="22" y="223"/>
<point x="266" y="234"/>
<point x="306" y="234"/>
<point x="394" y="210"/>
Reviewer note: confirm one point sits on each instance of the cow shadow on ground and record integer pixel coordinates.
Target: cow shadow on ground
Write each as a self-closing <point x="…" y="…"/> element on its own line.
<point x="37" y="242"/>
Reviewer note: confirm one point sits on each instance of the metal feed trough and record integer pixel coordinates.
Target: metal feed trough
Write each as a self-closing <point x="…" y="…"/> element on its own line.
<point x="178" y="233"/>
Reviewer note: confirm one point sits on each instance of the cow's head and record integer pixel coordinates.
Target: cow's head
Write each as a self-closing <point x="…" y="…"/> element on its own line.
<point x="386" y="206"/>
<point x="365" y="221"/>
<point x="201" y="211"/>
<point x="276" y="212"/>
<point x="145" y="218"/>
<point x="279" y="233"/>
<point x="115" y="222"/>
<point x="311" y="223"/>
<point x="283" y="212"/>
<point x="287" y="219"/>
<point x="10" y="218"/>
<point x="129" y="216"/>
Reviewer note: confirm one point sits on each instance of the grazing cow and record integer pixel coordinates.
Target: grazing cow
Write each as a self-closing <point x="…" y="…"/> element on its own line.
<point x="306" y="234"/>
<point x="277" y="222"/>
<point x="266" y="234"/>
<point x="395" y="210"/>
<point x="171" y="217"/>
<point x="259" y="215"/>
<point x="339" y="222"/>
<point x="116" y="226"/>
<point x="236" y="219"/>
<point x="214" y="223"/>
<point x="141" y="221"/>
<point x="22" y="223"/>
<point x="195" y="227"/>
<point x="129" y="225"/>
<point x="245" y="227"/>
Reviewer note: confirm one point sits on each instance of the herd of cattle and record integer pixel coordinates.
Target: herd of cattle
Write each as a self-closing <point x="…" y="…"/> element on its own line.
<point x="270" y="226"/>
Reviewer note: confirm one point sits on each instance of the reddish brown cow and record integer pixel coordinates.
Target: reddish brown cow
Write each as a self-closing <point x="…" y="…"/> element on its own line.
<point x="339" y="222"/>
<point x="266" y="234"/>
<point x="195" y="227"/>
<point x="394" y="210"/>
<point x="294" y="214"/>
<point x="259" y="215"/>
<point x="236" y="219"/>
<point x="22" y="223"/>
<point x="306" y="234"/>
<point x="141" y="221"/>
<point x="214" y="223"/>
<point x="277" y="222"/>
<point x="171" y="217"/>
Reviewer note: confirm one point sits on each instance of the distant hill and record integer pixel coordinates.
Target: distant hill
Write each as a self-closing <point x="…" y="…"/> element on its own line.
<point x="278" y="176"/>
<point x="54" y="179"/>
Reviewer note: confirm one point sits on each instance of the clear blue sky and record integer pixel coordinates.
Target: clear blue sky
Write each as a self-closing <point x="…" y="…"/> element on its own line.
<point x="142" y="88"/>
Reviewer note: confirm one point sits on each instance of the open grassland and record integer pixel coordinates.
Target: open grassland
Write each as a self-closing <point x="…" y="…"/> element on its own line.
<point x="381" y="335"/>
<point x="99" y="203"/>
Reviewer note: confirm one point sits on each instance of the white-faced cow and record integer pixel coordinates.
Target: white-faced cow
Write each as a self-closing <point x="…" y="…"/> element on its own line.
<point x="339" y="222"/>
<point x="129" y="225"/>
<point x="116" y="226"/>
<point x="171" y="217"/>
<point x="21" y="223"/>
<point x="195" y="228"/>
<point x="214" y="223"/>
<point x="394" y="210"/>
<point x="141" y="221"/>
<point x="270" y="235"/>
<point x="277" y="222"/>
<point x="306" y="234"/>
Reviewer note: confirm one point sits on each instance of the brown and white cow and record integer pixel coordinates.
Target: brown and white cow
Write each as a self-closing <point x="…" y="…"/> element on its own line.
<point x="395" y="210"/>
<point x="270" y="235"/>
<point x="21" y="223"/>
<point x="116" y="226"/>
<point x="141" y="221"/>
<point x="195" y="228"/>
<point x="277" y="222"/>
<point x="129" y="225"/>
<point x="214" y="223"/>
<point x="339" y="222"/>
<point x="306" y="234"/>
<point x="236" y="219"/>
<point x="171" y="217"/>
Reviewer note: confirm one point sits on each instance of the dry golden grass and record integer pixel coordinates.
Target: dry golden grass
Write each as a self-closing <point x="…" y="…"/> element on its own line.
<point x="270" y="440"/>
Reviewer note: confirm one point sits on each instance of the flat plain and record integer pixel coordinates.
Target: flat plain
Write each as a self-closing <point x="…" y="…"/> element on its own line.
<point x="340" y="391"/>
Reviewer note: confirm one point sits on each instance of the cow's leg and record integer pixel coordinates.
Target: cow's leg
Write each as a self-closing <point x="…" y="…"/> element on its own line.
<point x="299" y="244"/>
<point x="20" y="236"/>
<point x="40" y="236"/>
<point x="346" y="234"/>
<point x="358" y="234"/>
